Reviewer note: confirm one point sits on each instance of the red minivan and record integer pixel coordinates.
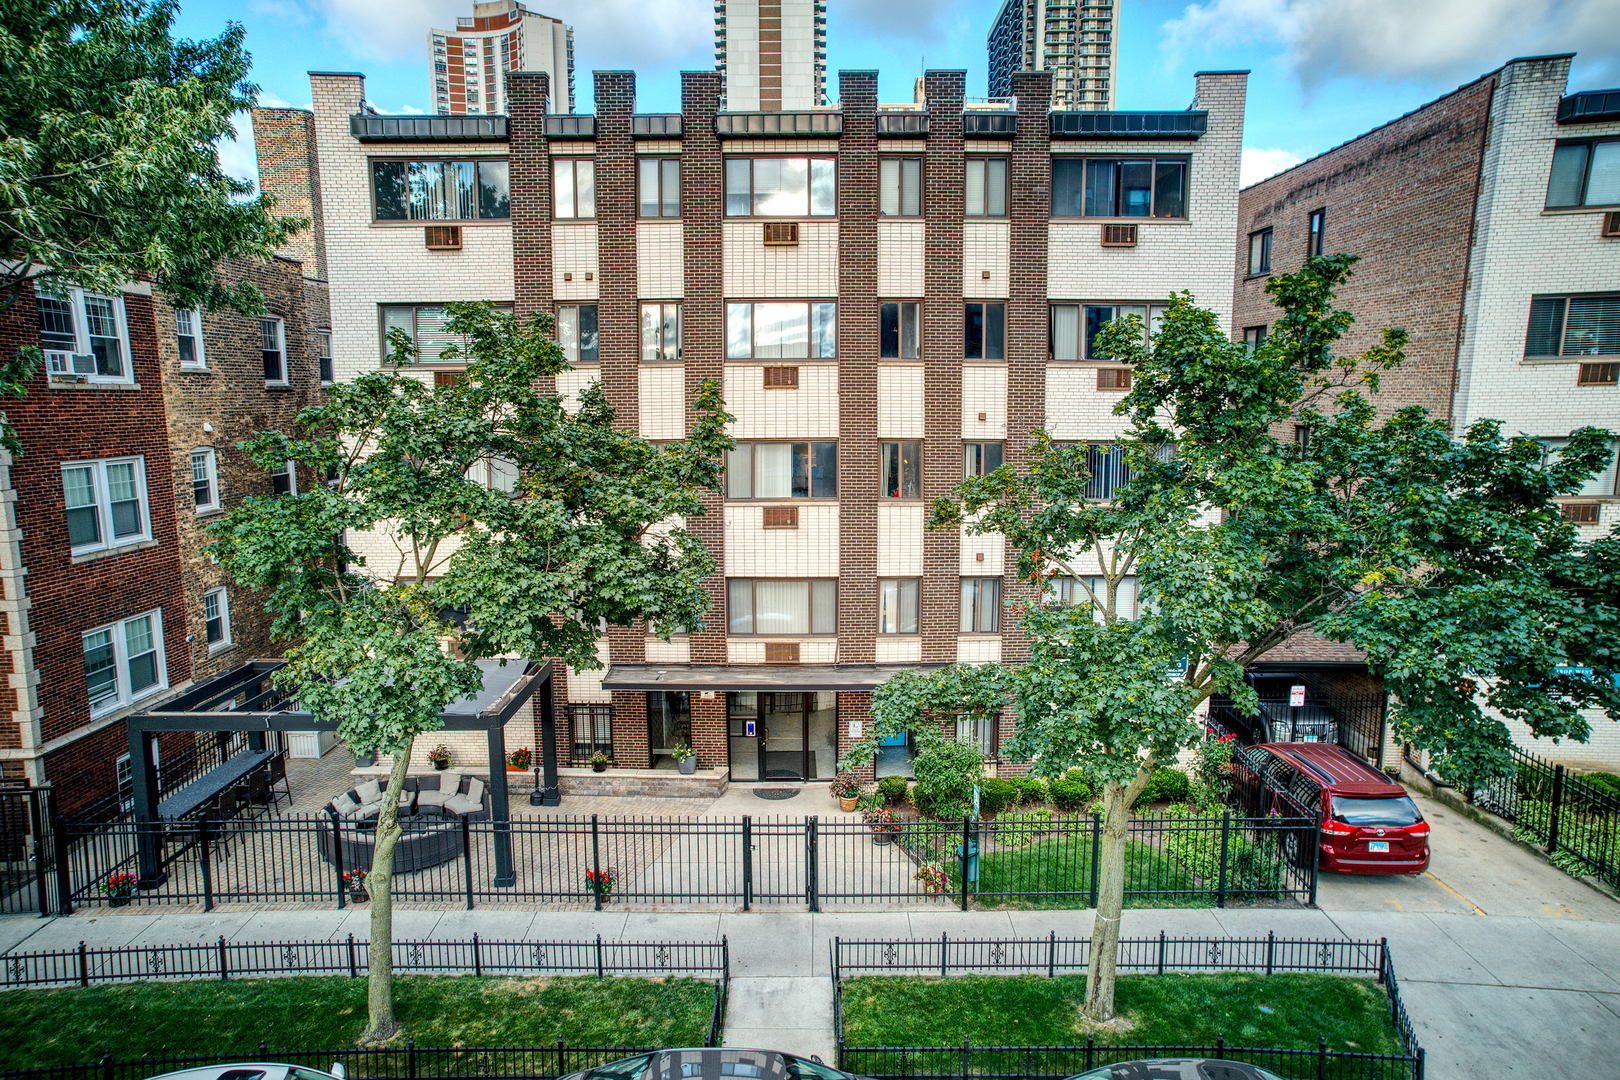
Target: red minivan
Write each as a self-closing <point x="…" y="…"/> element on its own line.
<point x="1369" y="824"/>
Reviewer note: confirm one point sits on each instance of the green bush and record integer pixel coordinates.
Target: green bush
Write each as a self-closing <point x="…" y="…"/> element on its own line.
<point x="1606" y="782"/>
<point x="1070" y="794"/>
<point x="1167" y="785"/>
<point x="1253" y="870"/>
<point x="996" y="795"/>
<point x="946" y="773"/>
<point x="1030" y="790"/>
<point x="934" y="802"/>
<point x="893" y="789"/>
<point x="1076" y="774"/>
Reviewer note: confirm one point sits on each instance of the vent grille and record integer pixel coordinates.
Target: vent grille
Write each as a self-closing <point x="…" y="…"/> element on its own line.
<point x="1611" y="224"/>
<point x="1599" y="375"/>
<point x="1113" y="378"/>
<point x="781" y="652"/>
<point x="443" y="237"/>
<point x="781" y="378"/>
<point x="1119" y="236"/>
<point x="781" y="517"/>
<point x="1579" y="513"/>
<point x="781" y="233"/>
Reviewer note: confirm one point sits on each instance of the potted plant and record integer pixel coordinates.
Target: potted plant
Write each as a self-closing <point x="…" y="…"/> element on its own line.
<point x="933" y="878"/>
<point x="354" y="883"/>
<point x="440" y="756"/>
<point x="600" y="761"/>
<point x="847" y="790"/>
<point x="883" y="824"/>
<point x="363" y="760"/>
<point x="601" y="884"/>
<point x="685" y="758"/>
<point x="518" y="760"/>
<point x="119" y="888"/>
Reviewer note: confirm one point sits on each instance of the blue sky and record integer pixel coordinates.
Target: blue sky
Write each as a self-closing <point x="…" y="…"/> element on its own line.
<point x="1323" y="71"/>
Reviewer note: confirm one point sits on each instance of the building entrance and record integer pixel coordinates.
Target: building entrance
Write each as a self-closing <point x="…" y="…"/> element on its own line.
<point x="782" y="736"/>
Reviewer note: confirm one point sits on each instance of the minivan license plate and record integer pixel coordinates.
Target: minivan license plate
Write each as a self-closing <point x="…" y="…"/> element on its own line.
<point x="1378" y="845"/>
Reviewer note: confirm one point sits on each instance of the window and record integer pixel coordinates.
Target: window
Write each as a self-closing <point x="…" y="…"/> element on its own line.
<point x="1075" y="327"/>
<point x="440" y="190"/>
<point x="782" y="470"/>
<point x="1254" y="337"/>
<point x="323" y="354"/>
<point x="900" y="187"/>
<point x="1065" y="589"/>
<point x="985" y="336"/>
<point x="1573" y="326"/>
<point x="216" y="619"/>
<point x="1302" y="439"/>
<point x="106" y="504"/>
<point x="1109" y="472"/>
<point x="284" y="479"/>
<point x="1604" y="484"/>
<point x="981" y="458"/>
<point x="660" y="331"/>
<point x="900" y="464"/>
<point x="897" y="330"/>
<point x="775" y="606"/>
<point x="781" y="187"/>
<point x="1119" y="187"/>
<point x="1585" y="174"/>
<point x="781" y="331"/>
<point x="987" y="187"/>
<point x="573" y="187"/>
<point x="123" y="661"/>
<point x="1260" y="253"/>
<point x="188" y="333"/>
<point x="204" y="480"/>
<point x="978" y="730"/>
<point x="1313" y="232"/>
<point x="273" y="343"/>
<point x="981" y="605"/>
<point x="576" y="332"/>
<point x="897" y="606"/>
<point x="592" y="727"/>
<point x="659" y="182"/>
<point x="424" y="325"/>
<point x="495" y="474"/>
<point x="84" y="334"/>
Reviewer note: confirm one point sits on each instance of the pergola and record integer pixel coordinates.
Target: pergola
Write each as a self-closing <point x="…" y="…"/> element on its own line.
<point x="246" y="699"/>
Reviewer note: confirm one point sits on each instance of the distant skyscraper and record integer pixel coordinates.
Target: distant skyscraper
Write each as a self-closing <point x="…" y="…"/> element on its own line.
<point x="1073" y="39"/>
<point x="773" y="53"/>
<point x="469" y="61"/>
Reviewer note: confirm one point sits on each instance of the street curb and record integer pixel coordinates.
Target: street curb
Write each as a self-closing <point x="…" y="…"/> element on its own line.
<point x="1453" y="800"/>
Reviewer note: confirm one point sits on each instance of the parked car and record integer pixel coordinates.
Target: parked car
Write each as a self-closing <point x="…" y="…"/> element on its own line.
<point x="1366" y="823"/>
<point x="1179" y="1069"/>
<point x="254" y="1070"/>
<point x="713" y="1063"/>
<point x="1278" y="722"/>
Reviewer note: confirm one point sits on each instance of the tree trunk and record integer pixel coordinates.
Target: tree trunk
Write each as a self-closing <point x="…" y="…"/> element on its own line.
<point x="381" y="1023"/>
<point x="1099" y="1003"/>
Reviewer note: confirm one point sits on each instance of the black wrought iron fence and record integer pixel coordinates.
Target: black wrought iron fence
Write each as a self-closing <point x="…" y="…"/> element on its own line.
<point x="1052" y="956"/>
<point x="1567" y="814"/>
<point x="27" y="851"/>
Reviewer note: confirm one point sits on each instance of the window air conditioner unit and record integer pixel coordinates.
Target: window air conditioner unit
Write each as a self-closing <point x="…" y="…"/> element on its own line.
<point x="781" y="233"/>
<point x="443" y="237"/>
<point x="1119" y="236"/>
<point x="781" y="517"/>
<point x="1611" y="224"/>
<point x="781" y="652"/>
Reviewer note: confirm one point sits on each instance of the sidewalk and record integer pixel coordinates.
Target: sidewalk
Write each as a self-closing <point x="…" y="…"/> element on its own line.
<point x="1489" y="996"/>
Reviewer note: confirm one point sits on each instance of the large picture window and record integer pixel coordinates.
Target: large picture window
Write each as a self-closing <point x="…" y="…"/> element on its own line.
<point x="106" y="504"/>
<point x="781" y="187"/>
<point x="1119" y="187"/>
<point x="1075" y="327"/>
<point x="1585" y="174"/>
<point x="123" y="661"/>
<point x="776" y="606"/>
<point x="440" y="190"/>
<point x="1573" y="326"/>
<point x="781" y="331"/>
<point x="782" y="470"/>
<point x="424" y="325"/>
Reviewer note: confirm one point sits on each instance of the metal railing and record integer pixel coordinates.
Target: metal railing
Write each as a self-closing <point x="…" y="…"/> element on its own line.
<point x="1052" y="956"/>
<point x="1566" y="814"/>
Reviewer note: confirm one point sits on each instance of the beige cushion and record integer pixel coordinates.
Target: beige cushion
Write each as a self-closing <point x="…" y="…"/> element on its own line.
<point x="460" y="804"/>
<point x="475" y="791"/>
<point x="434" y="798"/>
<point x="369" y="792"/>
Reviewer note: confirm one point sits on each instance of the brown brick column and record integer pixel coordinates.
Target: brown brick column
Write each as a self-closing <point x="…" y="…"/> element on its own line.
<point x="944" y="204"/>
<point x="854" y="705"/>
<point x="709" y="731"/>
<point x="529" y="174"/>
<point x="1029" y="210"/>
<point x="857" y="369"/>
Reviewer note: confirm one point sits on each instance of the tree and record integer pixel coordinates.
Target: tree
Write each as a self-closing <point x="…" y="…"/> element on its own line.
<point x="108" y="169"/>
<point x="1445" y="559"/>
<point x="533" y="525"/>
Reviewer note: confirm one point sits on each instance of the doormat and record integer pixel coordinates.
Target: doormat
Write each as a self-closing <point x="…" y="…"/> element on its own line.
<point x="775" y="793"/>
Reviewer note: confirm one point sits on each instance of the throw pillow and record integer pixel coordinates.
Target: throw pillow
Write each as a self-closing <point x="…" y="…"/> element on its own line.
<point x="475" y="791"/>
<point x="369" y="792"/>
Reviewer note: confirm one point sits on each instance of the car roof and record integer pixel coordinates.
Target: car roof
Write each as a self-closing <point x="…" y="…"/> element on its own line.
<point x="1335" y="767"/>
<point x="271" y="1070"/>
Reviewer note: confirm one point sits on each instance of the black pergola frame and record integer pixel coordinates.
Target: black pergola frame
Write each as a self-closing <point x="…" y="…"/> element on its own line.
<point x="199" y="708"/>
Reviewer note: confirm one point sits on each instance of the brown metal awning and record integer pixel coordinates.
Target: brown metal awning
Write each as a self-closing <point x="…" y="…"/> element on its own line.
<point x="786" y="677"/>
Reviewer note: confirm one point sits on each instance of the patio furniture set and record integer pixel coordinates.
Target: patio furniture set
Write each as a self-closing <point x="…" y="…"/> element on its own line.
<point x="432" y="809"/>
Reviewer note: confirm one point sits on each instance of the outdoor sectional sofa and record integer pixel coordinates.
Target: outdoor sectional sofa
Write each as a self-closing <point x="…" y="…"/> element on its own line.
<point x="432" y="808"/>
<point x="438" y="794"/>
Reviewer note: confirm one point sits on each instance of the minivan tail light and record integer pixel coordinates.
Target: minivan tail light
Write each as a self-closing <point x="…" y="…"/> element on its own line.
<point x="1420" y="830"/>
<point x="1338" y="828"/>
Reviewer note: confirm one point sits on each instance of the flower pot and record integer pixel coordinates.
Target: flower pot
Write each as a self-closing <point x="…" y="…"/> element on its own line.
<point x="599" y="766"/>
<point x="688" y="766"/>
<point x="515" y="768"/>
<point x="441" y="765"/>
<point x="882" y="838"/>
<point x="119" y="901"/>
<point x="363" y="761"/>
<point x="358" y="896"/>
<point x="847" y="805"/>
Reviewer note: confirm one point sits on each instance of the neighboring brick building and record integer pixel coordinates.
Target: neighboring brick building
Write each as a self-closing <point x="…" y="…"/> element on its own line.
<point x="1486" y="224"/>
<point x="890" y="294"/>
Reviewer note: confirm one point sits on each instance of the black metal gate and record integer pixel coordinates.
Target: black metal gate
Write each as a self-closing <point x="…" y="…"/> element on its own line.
<point x="27" y="851"/>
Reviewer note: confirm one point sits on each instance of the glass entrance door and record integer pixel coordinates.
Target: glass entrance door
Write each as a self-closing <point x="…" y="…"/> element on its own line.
<point x="782" y="736"/>
<point x="782" y="739"/>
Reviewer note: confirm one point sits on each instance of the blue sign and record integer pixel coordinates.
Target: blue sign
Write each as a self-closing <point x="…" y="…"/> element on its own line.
<point x="748" y="728"/>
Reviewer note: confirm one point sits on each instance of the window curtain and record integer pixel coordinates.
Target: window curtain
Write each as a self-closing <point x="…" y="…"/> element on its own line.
<point x="1066" y="332"/>
<point x="773" y="470"/>
<point x="782" y="607"/>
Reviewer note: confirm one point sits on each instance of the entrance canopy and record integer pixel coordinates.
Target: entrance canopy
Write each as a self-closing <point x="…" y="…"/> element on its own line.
<point x="787" y="677"/>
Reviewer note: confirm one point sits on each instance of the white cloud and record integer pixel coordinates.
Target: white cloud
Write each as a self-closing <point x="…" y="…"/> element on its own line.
<point x="238" y="157"/>
<point x="1260" y="162"/>
<point x="1425" y="41"/>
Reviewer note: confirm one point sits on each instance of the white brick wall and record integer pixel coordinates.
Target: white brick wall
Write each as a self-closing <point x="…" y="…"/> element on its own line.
<point x="984" y="390"/>
<point x="810" y="412"/>
<point x="570" y="383"/>
<point x="807" y="269"/>
<point x="898" y="649"/>
<point x="900" y="528"/>
<point x="660" y="270"/>
<point x="753" y="551"/>
<point x="979" y="650"/>
<point x="677" y="650"/>
<point x="1076" y="409"/>
<point x="575" y="274"/>
<point x="900" y="401"/>
<point x="663" y="401"/>
<point x="900" y="258"/>
<point x="984" y="249"/>
<point x="585" y="687"/>
<point x="812" y="650"/>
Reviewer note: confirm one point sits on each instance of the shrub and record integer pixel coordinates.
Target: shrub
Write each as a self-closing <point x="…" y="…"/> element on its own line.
<point x="996" y="795"/>
<point x="946" y="773"/>
<point x="1030" y="789"/>
<point x="1070" y="794"/>
<point x="1167" y="785"/>
<point x="893" y="789"/>
<point x="1252" y="869"/>
<point x="932" y="801"/>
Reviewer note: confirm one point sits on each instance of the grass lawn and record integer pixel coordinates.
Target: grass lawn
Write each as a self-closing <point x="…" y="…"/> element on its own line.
<point x="1281" y="1011"/>
<point x="172" y="1019"/>
<point x="1063" y="865"/>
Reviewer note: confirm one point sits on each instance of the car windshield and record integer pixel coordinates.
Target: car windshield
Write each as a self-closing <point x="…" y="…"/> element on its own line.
<point x="1397" y="811"/>
<point x="628" y="1069"/>
<point x="295" y="1073"/>
<point x="804" y="1069"/>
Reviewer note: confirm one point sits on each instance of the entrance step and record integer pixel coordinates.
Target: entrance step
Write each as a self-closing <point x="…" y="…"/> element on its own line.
<point x="793" y="1014"/>
<point x="656" y="783"/>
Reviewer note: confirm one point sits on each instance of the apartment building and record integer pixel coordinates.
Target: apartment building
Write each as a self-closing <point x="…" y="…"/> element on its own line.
<point x="1076" y="40"/>
<point x="771" y="54"/>
<point x="470" y="63"/>
<point x="893" y="296"/>
<point x="1488" y="225"/>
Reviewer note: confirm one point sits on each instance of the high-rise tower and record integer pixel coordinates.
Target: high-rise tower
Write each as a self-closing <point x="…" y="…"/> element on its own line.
<point x="1073" y="39"/>
<point x="772" y="53"/>
<point x="470" y="62"/>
